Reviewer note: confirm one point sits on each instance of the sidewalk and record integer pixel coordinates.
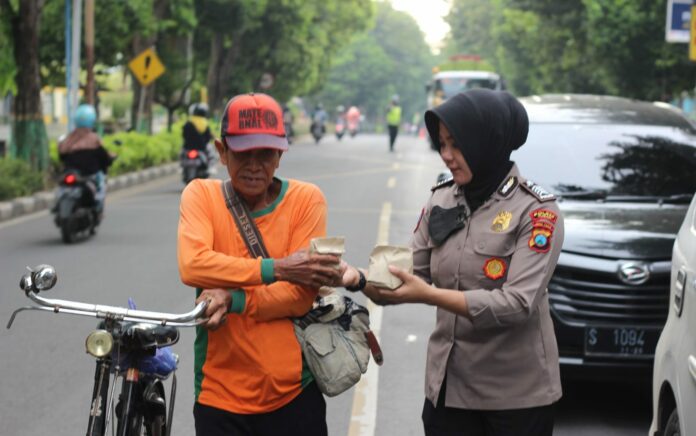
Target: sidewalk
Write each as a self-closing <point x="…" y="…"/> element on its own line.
<point x="46" y="199"/>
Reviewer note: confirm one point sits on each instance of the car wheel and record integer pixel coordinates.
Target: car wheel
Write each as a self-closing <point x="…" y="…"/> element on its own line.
<point x="672" y="427"/>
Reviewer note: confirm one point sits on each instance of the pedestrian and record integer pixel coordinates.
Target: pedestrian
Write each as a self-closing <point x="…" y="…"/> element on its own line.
<point x="250" y="378"/>
<point x="484" y="250"/>
<point x="82" y="150"/>
<point x="393" y="120"/>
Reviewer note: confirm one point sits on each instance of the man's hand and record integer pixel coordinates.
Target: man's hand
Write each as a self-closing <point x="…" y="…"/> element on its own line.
<point x="218" y="303"/>
<point x="310" y="271"/>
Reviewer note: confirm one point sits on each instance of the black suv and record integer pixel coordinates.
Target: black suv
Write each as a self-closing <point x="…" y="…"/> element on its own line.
<point x="624" y="172"/>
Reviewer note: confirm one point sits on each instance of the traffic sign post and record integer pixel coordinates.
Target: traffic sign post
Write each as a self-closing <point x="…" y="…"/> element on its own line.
<point x="678" y="19"/>
<point x="146" y="68"/>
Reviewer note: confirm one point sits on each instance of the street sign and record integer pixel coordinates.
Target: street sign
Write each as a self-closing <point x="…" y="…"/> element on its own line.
<point x="146" y="67"/>
<point x="678" y="20"/>
<point x="266" y="81"/>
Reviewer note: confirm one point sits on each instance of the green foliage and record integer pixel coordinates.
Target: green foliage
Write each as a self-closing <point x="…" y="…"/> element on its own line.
<point x="392" y="58"/>
<point x="584" y="46"/>
<point x="138" y="151"/>
<point x="7" y="63"/>
<point x="18" y="179"/>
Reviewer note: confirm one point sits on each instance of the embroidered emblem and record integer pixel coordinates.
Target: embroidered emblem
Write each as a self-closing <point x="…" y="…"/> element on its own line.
<point x="494" y="268"/>
<point x="543" y="214"/>
<point x="508" y="187"/>
<point x="540" y="193"/>
<point x="501" y="222"/>
<point x="540" y="241"/>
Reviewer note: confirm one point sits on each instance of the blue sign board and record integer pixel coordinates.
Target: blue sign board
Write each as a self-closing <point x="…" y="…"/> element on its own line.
<point x="678" y="20"/>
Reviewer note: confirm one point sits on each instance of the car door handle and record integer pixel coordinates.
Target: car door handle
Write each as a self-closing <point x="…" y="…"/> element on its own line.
<point x="692" y="367"/>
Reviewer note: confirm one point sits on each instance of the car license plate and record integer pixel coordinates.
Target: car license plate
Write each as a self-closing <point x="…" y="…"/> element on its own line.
<point x="629" y="342"/>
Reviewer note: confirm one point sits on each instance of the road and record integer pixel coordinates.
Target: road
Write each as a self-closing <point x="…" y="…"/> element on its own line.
<point x="373" y="195"/>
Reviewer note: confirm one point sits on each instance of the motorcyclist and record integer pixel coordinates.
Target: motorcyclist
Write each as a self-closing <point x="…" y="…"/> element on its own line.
<point x="196" y="130"/>
<point x="353" y="120"/>
<point x="196" y="133"/>
<point x="288" y="119"/>
<point x="320" y="117"/>
<point x="82" y="150"/>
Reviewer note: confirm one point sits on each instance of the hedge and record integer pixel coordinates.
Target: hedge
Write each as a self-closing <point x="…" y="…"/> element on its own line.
<point x="135" y="152"/>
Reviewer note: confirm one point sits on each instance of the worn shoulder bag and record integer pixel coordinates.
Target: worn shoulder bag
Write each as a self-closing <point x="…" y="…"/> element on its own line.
<point x="336" y="351"/>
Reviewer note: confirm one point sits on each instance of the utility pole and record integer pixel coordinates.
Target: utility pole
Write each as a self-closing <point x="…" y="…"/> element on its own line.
<point x="90" y="87"/>
<point x="74" y="66"/>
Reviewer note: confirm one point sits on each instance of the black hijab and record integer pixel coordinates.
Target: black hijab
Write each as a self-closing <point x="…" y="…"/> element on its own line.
<point x="486" y="127"/>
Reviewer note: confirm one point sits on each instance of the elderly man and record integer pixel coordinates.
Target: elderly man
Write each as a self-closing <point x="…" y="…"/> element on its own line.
<point x="250" y="378"/>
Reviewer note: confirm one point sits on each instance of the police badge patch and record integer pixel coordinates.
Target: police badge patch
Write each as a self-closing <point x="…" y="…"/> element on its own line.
<point x="501" y="222"/>
<point x="494" y="268"/>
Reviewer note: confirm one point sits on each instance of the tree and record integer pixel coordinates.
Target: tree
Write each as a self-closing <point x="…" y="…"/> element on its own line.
<point x="293" y="40"/>
<point x="29" y="139"/>
<point x="392" y="58"/>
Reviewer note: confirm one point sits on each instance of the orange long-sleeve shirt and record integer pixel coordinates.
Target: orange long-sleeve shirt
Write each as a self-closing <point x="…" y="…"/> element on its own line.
<point x="253" y="362"/>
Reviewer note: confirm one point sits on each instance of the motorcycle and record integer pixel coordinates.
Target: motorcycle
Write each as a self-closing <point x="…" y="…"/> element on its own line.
<point x="194" y="165"/>
<point x="353" y="128"/>
<point x="318" y="130"/>
<point x="76" y="211"/>
<point x="340" y="129"/>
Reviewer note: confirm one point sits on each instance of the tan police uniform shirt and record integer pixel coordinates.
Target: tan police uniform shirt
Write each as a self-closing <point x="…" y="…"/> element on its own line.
<point x="504" y="355"/>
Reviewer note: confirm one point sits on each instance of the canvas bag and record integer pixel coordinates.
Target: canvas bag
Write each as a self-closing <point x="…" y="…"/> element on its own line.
<point x="337" y="351"/>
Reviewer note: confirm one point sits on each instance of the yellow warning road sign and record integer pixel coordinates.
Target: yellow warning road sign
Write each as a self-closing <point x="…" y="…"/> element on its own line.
<point x="146" y="67"/>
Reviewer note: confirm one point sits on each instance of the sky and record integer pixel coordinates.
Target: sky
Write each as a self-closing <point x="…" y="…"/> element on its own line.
<point x="429" y="15"/>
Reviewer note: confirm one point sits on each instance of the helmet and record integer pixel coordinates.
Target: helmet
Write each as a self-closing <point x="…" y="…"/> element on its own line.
<point x="395" y="99"/>
<point x="85" y="116"/>
<point x="199" y="110"/>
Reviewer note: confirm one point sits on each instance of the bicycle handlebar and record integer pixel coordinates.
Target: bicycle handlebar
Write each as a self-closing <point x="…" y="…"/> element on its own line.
<point x="188" y="319"/>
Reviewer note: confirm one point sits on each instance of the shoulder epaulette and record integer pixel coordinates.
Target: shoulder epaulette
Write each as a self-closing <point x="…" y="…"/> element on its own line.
<point x="537" y="191"/>
<point x="449" y="181"/>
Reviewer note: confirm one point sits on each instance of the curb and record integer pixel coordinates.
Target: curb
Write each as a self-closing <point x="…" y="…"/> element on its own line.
<point x="46" y="199"/>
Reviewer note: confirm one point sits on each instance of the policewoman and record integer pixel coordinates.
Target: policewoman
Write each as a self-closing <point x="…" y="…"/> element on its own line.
<point x="484" y="248"/>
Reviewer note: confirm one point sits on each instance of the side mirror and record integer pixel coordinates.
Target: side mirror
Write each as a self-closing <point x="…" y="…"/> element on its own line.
<point x="44" y="277"/>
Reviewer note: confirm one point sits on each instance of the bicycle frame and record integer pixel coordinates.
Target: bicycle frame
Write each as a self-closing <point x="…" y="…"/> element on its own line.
<point x="135" y="335"/>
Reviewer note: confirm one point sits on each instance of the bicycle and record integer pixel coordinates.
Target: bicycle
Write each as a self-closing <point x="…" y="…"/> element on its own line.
<point x="128" y="343"/>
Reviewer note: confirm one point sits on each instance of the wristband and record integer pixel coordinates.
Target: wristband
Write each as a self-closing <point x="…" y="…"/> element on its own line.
<point x="361" y="283"/>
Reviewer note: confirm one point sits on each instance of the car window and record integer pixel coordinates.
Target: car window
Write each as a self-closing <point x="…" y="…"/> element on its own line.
<point x="621" y="160"/>
<point x="451" y="86"/>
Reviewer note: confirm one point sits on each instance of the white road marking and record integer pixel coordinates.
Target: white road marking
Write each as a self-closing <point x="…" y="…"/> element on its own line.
<point x="391" y="182"/>
<point x="411" y="338"/>
<point x="363" y="417"/>
<point x="396" y="166"/>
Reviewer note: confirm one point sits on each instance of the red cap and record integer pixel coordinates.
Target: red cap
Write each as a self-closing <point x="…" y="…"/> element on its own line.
<point x="252" y="121"/>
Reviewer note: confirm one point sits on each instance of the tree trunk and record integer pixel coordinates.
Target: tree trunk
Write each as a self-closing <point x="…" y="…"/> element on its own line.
<point x="220" y="70"/>
<point x="29" y="138"/>
<point x="141" y="43"/>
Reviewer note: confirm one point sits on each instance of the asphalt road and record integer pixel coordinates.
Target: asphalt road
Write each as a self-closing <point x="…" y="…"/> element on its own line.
<point x="373" y="195"/>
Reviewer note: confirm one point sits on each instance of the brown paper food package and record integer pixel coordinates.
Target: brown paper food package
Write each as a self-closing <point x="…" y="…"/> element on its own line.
<point x="384" y="255"/>
<point x="333" y="245"/>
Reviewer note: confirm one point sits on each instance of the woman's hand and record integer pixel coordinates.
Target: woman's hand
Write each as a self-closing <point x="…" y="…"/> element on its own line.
<point x="350" y="275"/>
<point x="413" y="290"/>
<point x="309" y="270"/>
<point x="218" y="304"/>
